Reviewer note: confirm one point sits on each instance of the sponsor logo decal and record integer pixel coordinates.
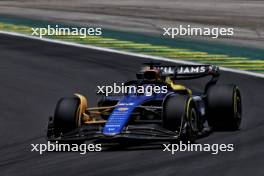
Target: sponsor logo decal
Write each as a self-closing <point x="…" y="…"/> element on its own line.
<point x="126" y="104"/>
<point x="194" y="69"/>
<point x="167" y="70"/>
<point x="122" y="109"/>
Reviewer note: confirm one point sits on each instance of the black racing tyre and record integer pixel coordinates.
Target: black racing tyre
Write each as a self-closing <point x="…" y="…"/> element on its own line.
<point x="180" y="114"/>
<point x="191" y="130"/>
<point x="224" y="107"/>
<point x="66" y="116"/>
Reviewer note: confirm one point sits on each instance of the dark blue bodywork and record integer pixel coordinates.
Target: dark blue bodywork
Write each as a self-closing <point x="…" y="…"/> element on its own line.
<point x="122" y="112"/>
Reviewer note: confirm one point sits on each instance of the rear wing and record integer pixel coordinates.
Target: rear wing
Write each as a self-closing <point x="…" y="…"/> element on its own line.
<point x="189" y="71"/>
<point x="185" y="72"/>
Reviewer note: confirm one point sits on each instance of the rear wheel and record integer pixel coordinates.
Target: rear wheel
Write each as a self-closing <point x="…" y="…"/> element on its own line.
<point x="224" y="107"/>
<point x="180" y="114"/>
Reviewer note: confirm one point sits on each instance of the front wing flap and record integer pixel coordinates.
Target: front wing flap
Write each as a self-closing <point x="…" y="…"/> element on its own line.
<point x="135" y="132"/>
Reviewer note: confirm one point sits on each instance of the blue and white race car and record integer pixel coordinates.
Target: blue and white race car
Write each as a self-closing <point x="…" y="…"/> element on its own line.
<point x="173" y="113"/>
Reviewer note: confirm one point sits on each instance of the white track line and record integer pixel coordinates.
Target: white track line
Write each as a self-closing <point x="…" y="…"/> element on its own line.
<point x="126" y="53"/>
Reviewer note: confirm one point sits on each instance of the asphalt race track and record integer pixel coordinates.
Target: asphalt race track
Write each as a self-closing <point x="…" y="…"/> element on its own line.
<point x="35" y="74"/>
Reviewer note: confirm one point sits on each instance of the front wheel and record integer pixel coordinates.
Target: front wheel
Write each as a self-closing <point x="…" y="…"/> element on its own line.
<point x="180" y="114"/>
<point x="66" y="117"/>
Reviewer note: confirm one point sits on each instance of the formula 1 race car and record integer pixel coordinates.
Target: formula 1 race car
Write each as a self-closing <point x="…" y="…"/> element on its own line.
<point x="178" y="113"/>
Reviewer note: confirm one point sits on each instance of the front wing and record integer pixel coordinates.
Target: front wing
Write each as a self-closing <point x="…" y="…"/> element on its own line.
<point x="146" y="132"/>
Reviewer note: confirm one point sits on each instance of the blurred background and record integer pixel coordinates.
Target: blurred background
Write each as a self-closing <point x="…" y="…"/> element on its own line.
<point x="149" y="16"/>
